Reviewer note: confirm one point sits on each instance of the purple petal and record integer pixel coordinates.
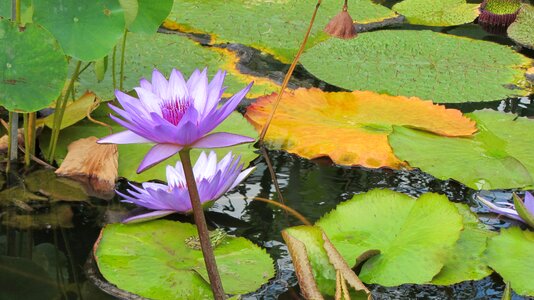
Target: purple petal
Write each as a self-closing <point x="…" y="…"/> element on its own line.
<point x="198" y="90"/>
<point x="242" y="177"/>
<point x="159" y="85"/>
<point x="156" y="154"/>
<point x="529" y="202"/>
<point x="177" y="86"/>
<point x="148" y="216"/>
<point x="149" y="100"/>
<point x="221" y="139"/>
<point x="187" y="133"/>
<point x="124" y="137"/>
<point x="215" y="91"/>
<point x="232" y="103"/>
<point x="145" y="84"/>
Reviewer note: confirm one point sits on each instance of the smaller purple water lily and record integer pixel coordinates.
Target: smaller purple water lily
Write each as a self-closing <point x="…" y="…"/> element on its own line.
<point x="175" y="114"/>
<point x="523" y="210"/>
<point x="213" y="180"/>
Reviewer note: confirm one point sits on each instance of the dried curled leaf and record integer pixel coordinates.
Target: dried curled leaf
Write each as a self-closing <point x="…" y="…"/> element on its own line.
<point x="4" y="140"/>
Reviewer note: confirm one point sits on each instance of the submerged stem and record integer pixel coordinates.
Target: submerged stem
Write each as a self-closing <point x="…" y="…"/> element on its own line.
<point x="202" y="227"/>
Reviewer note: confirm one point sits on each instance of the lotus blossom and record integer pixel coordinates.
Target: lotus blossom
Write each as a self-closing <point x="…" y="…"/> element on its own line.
<point x="213" y="180"/>
<point x="509" y="210"/>
<point x="175" y="114"/>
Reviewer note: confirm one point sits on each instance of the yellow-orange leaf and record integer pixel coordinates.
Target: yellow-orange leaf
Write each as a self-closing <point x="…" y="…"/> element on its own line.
<point x="350" y="127"/>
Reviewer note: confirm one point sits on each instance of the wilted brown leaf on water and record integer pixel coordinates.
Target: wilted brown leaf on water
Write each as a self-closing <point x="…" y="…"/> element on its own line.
<point x="5" y="139"/>
<point x="92" y="163"/>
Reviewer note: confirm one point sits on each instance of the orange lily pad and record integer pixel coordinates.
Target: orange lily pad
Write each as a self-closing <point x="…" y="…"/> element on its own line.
<point x="350" y="127"/>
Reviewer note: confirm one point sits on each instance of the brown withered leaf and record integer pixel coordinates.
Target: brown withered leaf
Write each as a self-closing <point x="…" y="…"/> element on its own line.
<point x="5" y="139"/>
<point x="93" y="164"/>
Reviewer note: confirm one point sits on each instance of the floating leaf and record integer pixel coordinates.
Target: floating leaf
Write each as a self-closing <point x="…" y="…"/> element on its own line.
<point x="437" y="13"/>
<point x="34" y="67"/>
<point x="150" y="15"/>
<point x="414" y="237"/>
<point x="47" y="183"/>
<point x="467" y="260"/>
<point x="522" y="30"/>
<point x="276" y="27"/>
<point x="131" y="155"/>
<point x="86" y="30"/>
<point x="167" y="51"/>
<point x="74" y="111"/>
<point x="131" y="8"/>
<point x="499" y="156"/>
<point x="172" y="270"/>
<point x="510" y="254"/>
<point x="350" y="128"/>
<point x="426" y="64"/>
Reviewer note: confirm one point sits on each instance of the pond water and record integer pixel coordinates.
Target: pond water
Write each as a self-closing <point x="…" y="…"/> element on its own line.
<point x="310" y="187"/>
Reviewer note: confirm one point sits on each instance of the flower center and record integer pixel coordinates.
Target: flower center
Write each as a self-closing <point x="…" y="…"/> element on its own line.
<point x="174" y="110"/>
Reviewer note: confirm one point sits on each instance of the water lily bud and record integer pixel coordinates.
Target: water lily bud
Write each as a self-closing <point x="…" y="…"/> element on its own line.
<point x="342" y="25"/>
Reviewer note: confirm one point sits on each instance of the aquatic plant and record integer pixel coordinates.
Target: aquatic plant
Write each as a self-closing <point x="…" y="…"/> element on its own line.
<point x="499" y="12"/>
<point x="521" y="210"/>
<point x="213" y="178"/>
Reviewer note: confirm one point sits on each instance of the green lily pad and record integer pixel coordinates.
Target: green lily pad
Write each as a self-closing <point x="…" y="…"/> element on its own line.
<point x="151" y="259"/>
<point x="437" y="13"/>
<point x="522" y="30"/>
<point x="131" y="8"/>
<point x="150" y="15"/>
<point x="426" y="64"/>
<point x="499" y="156"/>
<point x="510" y="255"/>
<point x="414" y="237"/>
<point x="131" y="155"/>
<point x="34" y="68"/>
<point x="276" y="27"/>
<point x="167" y="51"/>
<point x="467" y="260"/>
<point x="86" y="30"/>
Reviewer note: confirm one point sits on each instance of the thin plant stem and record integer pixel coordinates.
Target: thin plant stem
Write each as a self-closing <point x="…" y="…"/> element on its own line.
<point x="113" y="57"/>
<point x="27" y="158"/>
<point x="60" y="111"/>
<point x="123" y="50"/>
<point x="13" y="133"/>
<point x="32" y="124"/>
<point x="289" y="73"/>
<point x="202" y="227"/>
<point x="286" y="208"/>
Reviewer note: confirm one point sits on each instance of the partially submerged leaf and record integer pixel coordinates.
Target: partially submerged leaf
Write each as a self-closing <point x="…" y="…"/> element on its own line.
<point x="522" y="30"/>
<point x="499" y="156"/>
<point x="437" y="13"/>
<point x="171" y="269"/>
<point x="58" y="189"/>
<point x="350" y="128"/>
<point x="18" y="193"/>
<point x="58" y="216"/>
<point x="92" y="163"/>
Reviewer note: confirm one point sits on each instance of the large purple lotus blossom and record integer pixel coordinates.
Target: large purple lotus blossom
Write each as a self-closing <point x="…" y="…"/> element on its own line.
<point x="175" y="114"/>
<point x="509" y="210"/>
<point x="213" y="180"/>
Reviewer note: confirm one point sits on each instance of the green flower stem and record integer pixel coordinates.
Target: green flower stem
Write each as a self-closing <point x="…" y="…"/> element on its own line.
<point x="200" y="221"/>
<point x="59" y="112"/>
<point x="113" y="58"/>
<point x="123" y="50"/>
<point x="26" y="139"/>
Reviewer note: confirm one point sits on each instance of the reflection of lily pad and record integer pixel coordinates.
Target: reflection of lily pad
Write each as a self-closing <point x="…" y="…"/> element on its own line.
<point x="167" y="51"/>
<point x="350" y="128"/>
<point x="510" y="254"/>
<point x="274" y="26"/>
<point x="172" y="270"/>
<point x="426" y="64"/>
<point x="414" y="237"/>
<point x="57" y="188"/>
<point x="437" y="13"/>
<point x="58" y="216"/>
<point x="131" y="155"/>
<point x="522" y="30"/>
<point x="500" y="156"/>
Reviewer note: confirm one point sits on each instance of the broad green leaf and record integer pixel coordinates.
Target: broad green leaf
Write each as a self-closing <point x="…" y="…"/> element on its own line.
<point x="426" y="64"/>
<point x="510" y="255"/>
<point x="350" y="127"/>
<point x="167" y="51"/>
<point x="26" y="10"/>
<point x="152" y="259"/>
<point x="150" y="15"/>
<point x="467" y="260"/>
<point x="86" y="30"/>
<point x="437" y="13"/>
<point x="522" y="30"/>
<point x="131" y="155"/>
<point x="101" y="66"/>
<point x="33" y="67"/>
<point x="276" y="27"/>
<point x="414" y="237"/>
<point x="131" y="8"/>
<point x="499" y="156"/>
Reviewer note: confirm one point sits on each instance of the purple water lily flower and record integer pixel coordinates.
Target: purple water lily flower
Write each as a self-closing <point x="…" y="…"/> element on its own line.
<point x="175" y="114"/>
<point x="213" y="180"/>
<point x="509" y="210"/>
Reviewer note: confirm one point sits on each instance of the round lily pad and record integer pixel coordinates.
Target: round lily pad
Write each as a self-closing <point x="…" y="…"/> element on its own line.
<point x="437" y="13"/>
<point x="414" y="237"/>
<point x="33" y="67"/>
<point x="131" y="155"/>
<point x="432" y="66"/>
<point x="276" y="27"/>
<point x="510" y="255"/>
<point x="150" y="15"/>
<point x="86" y="30"/>
<point x="522" y="30"/>
<point x="499" y="156"/>
<point x="153" y="260"/>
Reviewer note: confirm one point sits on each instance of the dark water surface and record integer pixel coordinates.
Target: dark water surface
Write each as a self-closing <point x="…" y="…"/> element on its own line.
<point x="60" y="245"/>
